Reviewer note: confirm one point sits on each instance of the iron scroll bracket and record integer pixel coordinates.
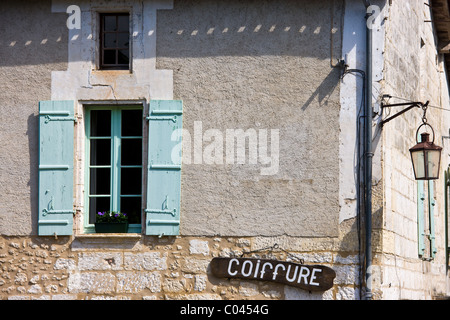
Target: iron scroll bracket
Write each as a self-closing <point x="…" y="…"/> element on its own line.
<point x="410" y="105"/>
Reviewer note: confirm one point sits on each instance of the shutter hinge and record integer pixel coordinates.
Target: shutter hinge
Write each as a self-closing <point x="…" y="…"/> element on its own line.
<point x="52" y="118"/>
<point x="172" y="212"/>
<point x="173" y="118"/>
<point x="45" y="212"/>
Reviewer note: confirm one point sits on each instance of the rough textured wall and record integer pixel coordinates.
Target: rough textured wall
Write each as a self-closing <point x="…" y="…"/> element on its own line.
<point x="44" y="268"/>
<point x="415" y="74"/>
<point x="34" y="43"/>
<point x="257" y="65"/>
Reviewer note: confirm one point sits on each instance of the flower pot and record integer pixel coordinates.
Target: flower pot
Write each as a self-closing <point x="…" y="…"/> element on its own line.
<point x="111" y="227"/>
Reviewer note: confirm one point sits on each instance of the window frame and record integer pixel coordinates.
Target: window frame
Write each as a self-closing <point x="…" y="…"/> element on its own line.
<point x="115" y="180"/>
<point x="101" y="32"/>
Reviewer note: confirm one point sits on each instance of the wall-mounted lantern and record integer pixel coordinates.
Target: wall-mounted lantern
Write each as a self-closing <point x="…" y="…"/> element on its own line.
<point x="426" y="158"/>
<point x="425" y="155"/>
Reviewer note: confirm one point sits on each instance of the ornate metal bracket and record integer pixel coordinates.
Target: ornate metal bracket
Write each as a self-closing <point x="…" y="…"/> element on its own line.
<point x="410" y="106"/>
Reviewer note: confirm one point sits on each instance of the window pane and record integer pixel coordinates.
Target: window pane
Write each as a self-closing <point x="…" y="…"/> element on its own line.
<point x="131" y="152"/>
<point x="100" y="179"/>
<point x="97" y="205"/>
<point x="109" y="56"/>
<point x="124" y="56"/>
<point x="100" y="123"/>
<point x="131" y="123"/>
<point x="100" y="152"/>
<point x="109" y="23"/>
<point x="123" y="23"/>
<point x="132" y="207"/>
<point x="109" y="40"/>
<point x="123" y="40"/>
<point x="130" y="181"/>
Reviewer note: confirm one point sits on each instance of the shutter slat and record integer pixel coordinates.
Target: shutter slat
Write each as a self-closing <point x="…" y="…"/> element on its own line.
<point x="56" y="167"/>
<point x="164" y="168"/>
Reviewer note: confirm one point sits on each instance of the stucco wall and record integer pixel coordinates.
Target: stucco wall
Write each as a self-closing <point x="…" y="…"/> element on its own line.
<point x="258" y="65"/>
<point x="33" y="44"/>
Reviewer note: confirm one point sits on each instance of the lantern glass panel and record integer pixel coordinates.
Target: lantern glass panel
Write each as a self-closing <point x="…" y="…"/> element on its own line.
<point x="418" y="160"/>
<point x="433" y="159"/>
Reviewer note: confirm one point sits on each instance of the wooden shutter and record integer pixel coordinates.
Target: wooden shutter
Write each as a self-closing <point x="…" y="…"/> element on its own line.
<point x="56" y="132"/>
<point x="431" y="205"/>
<point x="164" y="168"/>
<point x="420" y="216"/>
<point x="446" y="214"/>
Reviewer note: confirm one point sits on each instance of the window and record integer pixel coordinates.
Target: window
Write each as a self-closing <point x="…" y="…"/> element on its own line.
<point x="114" y="166"/>
<point x="114" y="163"/>
<point x="115" y="41"/>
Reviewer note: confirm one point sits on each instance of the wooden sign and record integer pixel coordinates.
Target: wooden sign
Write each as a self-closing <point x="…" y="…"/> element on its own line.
<point x="312" y="278"/>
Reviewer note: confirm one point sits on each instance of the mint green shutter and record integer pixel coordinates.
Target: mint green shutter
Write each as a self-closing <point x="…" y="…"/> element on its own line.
<point x="431" y="205"/>
<point x="164" y="168"/>
<point x="56" y="132"/>
<point x="420" y="217"/>
<point x="446" y="213"/>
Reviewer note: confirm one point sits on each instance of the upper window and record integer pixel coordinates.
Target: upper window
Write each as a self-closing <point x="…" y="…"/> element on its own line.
<point x="115" y="41"/>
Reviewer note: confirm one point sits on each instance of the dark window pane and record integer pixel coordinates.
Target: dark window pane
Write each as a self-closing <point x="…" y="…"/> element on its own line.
<point x="123" y="23"/>
<point x="109" y="57"/>
<point x="132" y="207"/>
<point x="123" y="40"/>
<point x="100" y="179"/>
<point x="131" y="181"/>
<point x="131" y="152"/>
<point x="97" y="205"/>
<point x="109" y="23"/>
<point x="109" y="40"/>
<point x="131" y="123"/>
<point x="100" y="123"/>
<point x="124" y="56"/>
<point x="100" y="152"/>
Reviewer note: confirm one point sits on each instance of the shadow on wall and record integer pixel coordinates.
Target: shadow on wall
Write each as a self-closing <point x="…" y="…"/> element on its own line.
<point x="31" y="34"/>
<point x="241" y="28"/>
<point x="33" y="144"/>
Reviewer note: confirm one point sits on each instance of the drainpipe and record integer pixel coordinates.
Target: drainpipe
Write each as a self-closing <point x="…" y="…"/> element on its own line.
<point x="368" y="155"/>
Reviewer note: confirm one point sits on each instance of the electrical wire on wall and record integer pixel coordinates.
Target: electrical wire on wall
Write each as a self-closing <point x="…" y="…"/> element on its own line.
<point x="408" y="100"/>
<point x="358" y="165"/>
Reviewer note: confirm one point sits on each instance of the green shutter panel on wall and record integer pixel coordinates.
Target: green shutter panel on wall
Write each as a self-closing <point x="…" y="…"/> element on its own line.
<point x="164" y="168"/>
<point x="56" y="132"/>
<point x="431" y="205"/>
<point x="420" y="216"/>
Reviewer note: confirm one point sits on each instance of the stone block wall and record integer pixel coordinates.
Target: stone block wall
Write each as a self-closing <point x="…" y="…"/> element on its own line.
<point x="413" y="71"/>
<point x="159" y="269"/>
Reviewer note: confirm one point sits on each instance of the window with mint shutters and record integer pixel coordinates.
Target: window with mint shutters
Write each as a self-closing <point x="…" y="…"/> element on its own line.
<point x="56" y="157"/>
<point x="164" y="168"/>
<point x="425" y="220"/>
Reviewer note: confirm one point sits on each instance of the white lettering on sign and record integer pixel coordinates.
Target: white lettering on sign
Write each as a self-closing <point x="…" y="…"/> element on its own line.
<point x="246" y="269"/>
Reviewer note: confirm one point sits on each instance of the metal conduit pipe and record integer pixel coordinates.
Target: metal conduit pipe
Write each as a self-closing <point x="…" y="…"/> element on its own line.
<point x="368" y="155"/>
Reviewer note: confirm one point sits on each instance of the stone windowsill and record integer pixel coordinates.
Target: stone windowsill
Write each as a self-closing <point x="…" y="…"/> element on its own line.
<point x="109" y="235"/>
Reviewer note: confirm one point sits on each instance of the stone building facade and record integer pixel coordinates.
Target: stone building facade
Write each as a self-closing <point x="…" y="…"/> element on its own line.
<point x="285" y="76"/>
